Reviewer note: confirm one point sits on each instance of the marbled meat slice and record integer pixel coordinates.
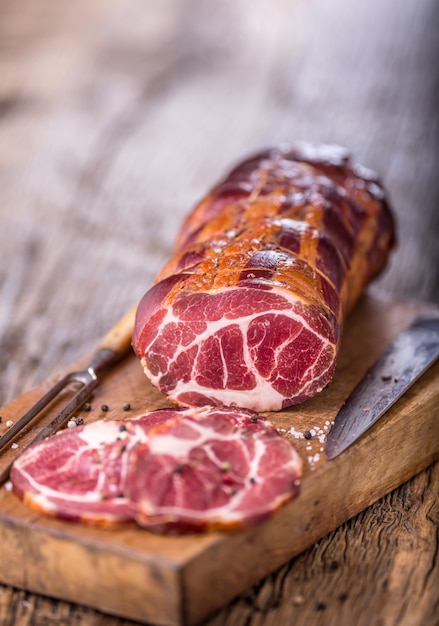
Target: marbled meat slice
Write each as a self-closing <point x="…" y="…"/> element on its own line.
<point x="212" y="468"/>
<point x="170" y="470"/>
<point x="250" y="310"/>
<point x="80" y="473"/>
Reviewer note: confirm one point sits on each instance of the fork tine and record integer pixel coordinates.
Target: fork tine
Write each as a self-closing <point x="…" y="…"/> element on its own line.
<point x="34" y="410"/>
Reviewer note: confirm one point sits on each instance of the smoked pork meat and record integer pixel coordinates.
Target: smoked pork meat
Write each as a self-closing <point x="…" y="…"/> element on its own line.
<point x="250" y="309"/>
<point x="169" y="470"/>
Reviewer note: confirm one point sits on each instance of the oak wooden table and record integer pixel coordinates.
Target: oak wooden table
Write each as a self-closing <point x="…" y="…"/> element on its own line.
<point x="115" y="117"/>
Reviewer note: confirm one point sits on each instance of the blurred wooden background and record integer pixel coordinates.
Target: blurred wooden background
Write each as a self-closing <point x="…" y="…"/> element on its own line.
<point x="115" y="117"/>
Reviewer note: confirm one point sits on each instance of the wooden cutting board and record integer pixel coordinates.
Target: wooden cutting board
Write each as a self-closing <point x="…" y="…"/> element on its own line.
<point x="136" y="574"/>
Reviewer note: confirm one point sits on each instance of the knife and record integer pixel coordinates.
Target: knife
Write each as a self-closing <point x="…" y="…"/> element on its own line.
<point x="414" y="350"/>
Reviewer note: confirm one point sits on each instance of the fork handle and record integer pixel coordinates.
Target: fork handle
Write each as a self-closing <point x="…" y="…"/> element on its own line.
<point x="118" y="339"/>
<point x="114" y="345"/>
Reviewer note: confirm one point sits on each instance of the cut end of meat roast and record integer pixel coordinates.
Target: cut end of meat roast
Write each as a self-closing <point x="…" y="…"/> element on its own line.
<point x="182" y="470"/>
<point x="250" y="346"/>
<point x="250" y="310"/>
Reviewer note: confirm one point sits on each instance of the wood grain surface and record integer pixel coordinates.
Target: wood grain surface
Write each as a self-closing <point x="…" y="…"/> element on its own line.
<point x="115" y="117"/>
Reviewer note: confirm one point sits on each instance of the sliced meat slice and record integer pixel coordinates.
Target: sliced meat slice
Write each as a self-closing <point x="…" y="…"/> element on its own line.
<point x="171" y="470"/>
<point x="80" y="473"/>
<point x="211" y="468"/>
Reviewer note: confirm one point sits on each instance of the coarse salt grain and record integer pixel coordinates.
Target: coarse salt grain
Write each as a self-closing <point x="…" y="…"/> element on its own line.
<point x="296" y="434"/>
<point x="74" y="421"/>
<point x="14" y="446"/>
<point x="312" y="460"/>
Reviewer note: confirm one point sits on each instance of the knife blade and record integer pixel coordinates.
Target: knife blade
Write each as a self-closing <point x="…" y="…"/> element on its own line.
<point x="413" y="351"/>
